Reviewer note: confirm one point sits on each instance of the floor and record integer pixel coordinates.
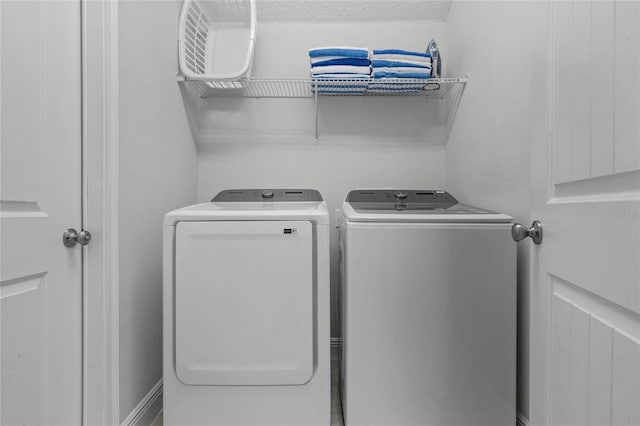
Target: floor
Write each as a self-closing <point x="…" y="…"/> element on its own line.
<point x="336" y="402"/>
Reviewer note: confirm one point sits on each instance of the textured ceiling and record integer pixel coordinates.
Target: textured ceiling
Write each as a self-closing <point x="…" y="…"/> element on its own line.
<point x="352" y="10"/>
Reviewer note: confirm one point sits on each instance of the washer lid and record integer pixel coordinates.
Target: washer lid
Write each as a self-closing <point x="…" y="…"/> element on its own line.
<point x="390" y="205"/>
<point x="274" y="195"/>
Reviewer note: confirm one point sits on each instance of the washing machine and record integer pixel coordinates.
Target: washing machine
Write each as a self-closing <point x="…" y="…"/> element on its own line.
<point x="428" y="311"/>
<point x="246" y="310"/>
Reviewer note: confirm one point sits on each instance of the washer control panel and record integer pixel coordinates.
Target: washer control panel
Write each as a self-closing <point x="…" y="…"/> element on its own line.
<point x="390" y="199"/>
<point x="275" y="195"/>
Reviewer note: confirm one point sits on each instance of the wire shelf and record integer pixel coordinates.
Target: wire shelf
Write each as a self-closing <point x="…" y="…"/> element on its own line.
<point x="447" y="91"/>
<point x="307" y="87"/>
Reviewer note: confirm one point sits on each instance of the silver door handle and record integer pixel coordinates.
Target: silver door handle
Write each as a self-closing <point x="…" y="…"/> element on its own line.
<point x="71" y="237"/>
<point x="520" y="232"/>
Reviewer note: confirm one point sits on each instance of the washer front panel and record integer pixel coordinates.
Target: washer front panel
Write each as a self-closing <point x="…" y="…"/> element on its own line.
<point x="429" y="324"/>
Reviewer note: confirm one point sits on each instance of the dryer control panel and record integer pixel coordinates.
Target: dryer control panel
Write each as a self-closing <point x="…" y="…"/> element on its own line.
<point x="262" y="195"/>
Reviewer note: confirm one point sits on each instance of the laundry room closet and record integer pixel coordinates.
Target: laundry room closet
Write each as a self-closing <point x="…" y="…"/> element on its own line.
<point x="358" y="137"/>
<point x="178" y="149"/>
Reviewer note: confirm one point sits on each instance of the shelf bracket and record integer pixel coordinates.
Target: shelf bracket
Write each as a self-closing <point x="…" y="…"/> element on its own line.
<point x="453" y="108"/>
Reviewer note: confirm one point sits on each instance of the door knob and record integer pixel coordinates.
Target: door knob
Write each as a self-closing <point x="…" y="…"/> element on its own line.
<point x="71" y="237"/>
<point x="520" y="232"/>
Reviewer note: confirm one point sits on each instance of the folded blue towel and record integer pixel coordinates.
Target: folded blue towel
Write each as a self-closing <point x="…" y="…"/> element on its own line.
<point x="390" y="63"/>
<point x="351" y="52"/>
<point x="340" y="61"/>
<point x="402" y="70"/>
<point x="342" y="76"/>
<point x="401" y="52"/>
<point x="328" y="58"/>
<point x="398" y="57"/>
<point x="382" y="74"/>
<point x="340" y="69"/>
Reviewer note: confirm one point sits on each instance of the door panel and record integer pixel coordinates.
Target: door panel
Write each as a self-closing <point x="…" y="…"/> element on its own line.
<point x="22" y="350"/>
<point x="585" y="293"/>
<point x="594" y="362"/>
<point x="595" y="102"/>
<point x="600" y="342"/>
<point x="602" y="89"/>
<point x="627" y="86"/>
<point x="40" y="279"/>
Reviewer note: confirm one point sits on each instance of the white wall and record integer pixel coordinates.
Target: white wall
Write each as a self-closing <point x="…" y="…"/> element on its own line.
<point x="488" y="157"/>
<point x="157" y="174"/>
<point x="364" y="142"/>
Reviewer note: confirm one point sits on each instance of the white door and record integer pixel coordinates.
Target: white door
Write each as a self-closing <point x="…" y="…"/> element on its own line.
<point x="585" y="286"/>
<point x="40" y="288"/>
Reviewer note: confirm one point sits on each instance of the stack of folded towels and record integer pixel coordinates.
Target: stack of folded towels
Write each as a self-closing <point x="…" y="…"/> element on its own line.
<point x="397" y="63"/>
<point x="339" y="62"/>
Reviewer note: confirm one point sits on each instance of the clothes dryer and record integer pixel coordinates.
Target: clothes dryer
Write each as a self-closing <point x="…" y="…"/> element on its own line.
<point x="246" y="310"/>
<point x="428" y="311"/>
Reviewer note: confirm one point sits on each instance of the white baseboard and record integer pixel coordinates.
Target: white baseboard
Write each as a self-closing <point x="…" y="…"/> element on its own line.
<point x="521" y="420"/>
<point x="336" y="347"/>
<point x="147" y="410"/>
